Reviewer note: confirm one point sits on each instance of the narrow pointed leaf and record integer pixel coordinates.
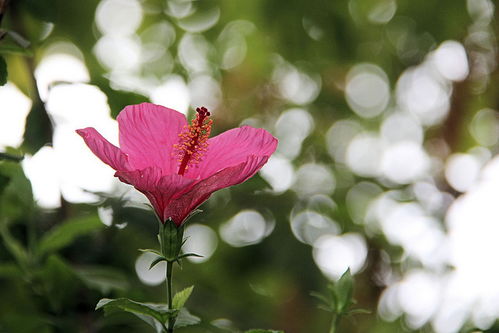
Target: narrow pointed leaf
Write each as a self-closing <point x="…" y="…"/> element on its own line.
<point x="358" y="311"/>
<point x="157" y="261"/>
<point x="16" y="249"/>
<point x="64" y="234"/>
<point x="181" y="297"/>
<point x="320" y="297"/>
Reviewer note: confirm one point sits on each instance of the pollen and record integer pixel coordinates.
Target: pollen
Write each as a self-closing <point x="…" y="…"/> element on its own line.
<point x="193" y="141"/>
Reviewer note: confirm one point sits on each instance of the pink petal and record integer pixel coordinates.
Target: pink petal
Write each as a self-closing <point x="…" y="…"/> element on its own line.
<point x="157" y="188"/>
<point x="232" y="148"/>
<point x="103" y="149"/>
<point x="148" y="133"/>
<point x="181" y="206"/>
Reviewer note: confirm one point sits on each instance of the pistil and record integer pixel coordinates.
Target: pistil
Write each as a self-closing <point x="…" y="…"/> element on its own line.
<point x="193" y="141"/>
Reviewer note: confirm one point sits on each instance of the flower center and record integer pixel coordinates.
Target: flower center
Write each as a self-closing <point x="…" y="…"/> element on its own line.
<point x="193" y="141"/>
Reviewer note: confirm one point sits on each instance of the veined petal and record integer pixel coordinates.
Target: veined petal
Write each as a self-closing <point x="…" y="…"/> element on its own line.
<point x="233" y="147"/>
<point x="181" y="205"/>
<point x="103" y="149"/>
<point x="147" y="135"/>
<point x="157" y="188"/>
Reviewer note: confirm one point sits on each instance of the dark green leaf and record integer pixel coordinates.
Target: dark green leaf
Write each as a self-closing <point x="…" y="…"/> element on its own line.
<point x="45" y="10"/>
<point x="263" y="331"/>
<point x="185" y="318"/>
<point x="159" y="312"/>
<point x="3" y="71"/>
<point x="4" y="181"/>
<point x="104" y="279"/>
<point x="181" y="297"/>
<point x="17" y="198"/>
<point x="10" y="270"/>
<point x="58" y="281"/>
<point x="185" y="255"/>
<point x="9" y="157"/>
<point x="15" y="248"/>
<point x="38" y="130"/>
<point x="64" y="234"/>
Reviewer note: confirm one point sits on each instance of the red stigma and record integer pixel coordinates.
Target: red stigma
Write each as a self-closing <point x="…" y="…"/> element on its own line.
<point x="193" y="140"/>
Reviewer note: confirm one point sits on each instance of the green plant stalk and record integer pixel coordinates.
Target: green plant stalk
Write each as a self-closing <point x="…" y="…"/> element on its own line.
<point x="334" y="323"/>
<point x="169" y="292"/>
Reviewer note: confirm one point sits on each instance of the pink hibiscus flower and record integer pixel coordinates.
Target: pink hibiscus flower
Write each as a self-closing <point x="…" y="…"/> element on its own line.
<point x="175" y="164"/>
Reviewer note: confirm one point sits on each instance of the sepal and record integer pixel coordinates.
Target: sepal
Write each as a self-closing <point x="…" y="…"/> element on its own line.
<point x="171" y="239"/>
<point x="156" y="261"/>
<point x="185" y="255"/>
<point x="156" y="252"/>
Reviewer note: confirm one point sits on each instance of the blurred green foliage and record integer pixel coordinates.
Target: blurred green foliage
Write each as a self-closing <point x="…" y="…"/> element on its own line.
<point x="56" y="264"/>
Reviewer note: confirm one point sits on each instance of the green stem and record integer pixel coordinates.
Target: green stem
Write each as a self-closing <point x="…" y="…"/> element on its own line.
<point x="334" y="323"/>
<point x="169" y="292"/>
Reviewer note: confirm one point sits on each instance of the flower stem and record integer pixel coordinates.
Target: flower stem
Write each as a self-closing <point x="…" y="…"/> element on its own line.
<point x="169" y="292"/>
<point x="334" y="323"/>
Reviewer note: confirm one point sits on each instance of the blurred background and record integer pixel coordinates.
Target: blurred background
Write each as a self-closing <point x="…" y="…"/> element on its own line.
<point x="386" y="115"/>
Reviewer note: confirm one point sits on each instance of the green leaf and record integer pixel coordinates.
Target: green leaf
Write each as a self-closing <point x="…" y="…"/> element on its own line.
<point x="4" y="181"/>
<point x="38" y="130"/>
<point x="15" y="49"/>
<point x="320" y="297"/>
<point x="15" y="248"/>
<point x="10" y="271"/>
<point x="16" y="201"/>
<point x="9" y="157"/>
<point x="45" y="10"/>
<point x="343" y="290"/>
<point x="181" y="297"/>
<point x="263" y="331"/>
<point x="158" y="327"/>
<point x="102" y="278"/>
<point x="159" y="312"/>
<point x="64" y="234"/>
<point x="58" y="281"/>
<point x="3" y="71"/>
<point x="185" y="318"/>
